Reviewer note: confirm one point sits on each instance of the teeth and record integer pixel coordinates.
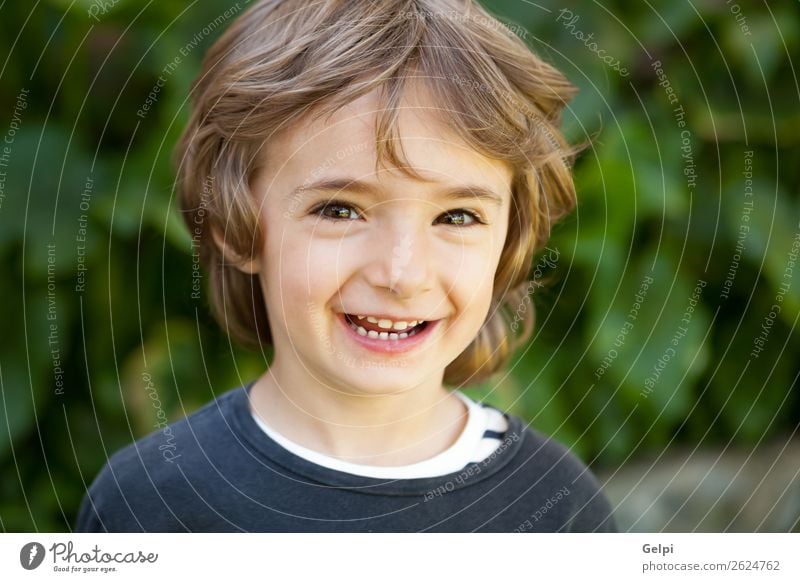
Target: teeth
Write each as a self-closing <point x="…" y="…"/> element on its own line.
<point x="388" y="323"/>
<point x="381" y="335"/>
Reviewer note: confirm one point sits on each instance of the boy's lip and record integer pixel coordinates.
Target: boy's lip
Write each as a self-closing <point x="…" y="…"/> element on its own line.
<point x="389" y="346"/>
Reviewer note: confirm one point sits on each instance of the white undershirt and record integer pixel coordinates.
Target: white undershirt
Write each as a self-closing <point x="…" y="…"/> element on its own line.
<point x="472" y="446"/>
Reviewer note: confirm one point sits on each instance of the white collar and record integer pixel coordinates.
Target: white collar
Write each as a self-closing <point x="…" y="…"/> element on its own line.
<point x="452" y="459"/>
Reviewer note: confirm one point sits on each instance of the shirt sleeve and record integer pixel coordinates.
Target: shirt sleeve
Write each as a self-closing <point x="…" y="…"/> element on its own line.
<point x="105" y="507"/>
<point x="89" y="520"/>
<point x="592" y="511"/>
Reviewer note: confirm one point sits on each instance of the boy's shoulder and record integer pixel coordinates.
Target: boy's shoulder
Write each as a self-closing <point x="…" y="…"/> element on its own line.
<point x="559" y="478"/>
<point x="181" y="438"/>
<point x="167" y="459"/>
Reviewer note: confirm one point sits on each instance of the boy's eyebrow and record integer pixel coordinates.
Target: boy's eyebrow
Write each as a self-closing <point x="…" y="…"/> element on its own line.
<point x="459" y="192"/>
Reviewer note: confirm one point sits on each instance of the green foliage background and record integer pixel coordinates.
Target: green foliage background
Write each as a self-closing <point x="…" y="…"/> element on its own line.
<point x="86" y="78"/>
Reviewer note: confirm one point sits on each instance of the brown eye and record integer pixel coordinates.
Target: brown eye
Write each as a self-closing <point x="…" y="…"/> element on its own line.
<point x="462" y="217"/>
<point x="335" y="211"/>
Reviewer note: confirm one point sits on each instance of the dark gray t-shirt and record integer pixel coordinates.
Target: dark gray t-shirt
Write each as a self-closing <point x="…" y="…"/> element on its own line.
<point x="217" y="471"/>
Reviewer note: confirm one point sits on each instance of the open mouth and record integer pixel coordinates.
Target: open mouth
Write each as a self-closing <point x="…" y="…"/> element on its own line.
<point x="365" y="328"/>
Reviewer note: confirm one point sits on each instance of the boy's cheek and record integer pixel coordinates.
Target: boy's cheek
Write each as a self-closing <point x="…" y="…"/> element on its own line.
<point x="474" y="271"/>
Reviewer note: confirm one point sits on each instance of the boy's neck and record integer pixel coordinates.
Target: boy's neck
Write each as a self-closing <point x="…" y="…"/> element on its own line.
<point x="380" y="430"/>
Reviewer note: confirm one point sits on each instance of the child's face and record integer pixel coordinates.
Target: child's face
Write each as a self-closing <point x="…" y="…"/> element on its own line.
<point x="387" y="248"/>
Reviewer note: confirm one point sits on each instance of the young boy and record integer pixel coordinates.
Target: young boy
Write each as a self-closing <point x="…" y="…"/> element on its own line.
<point x="370" y="181"/>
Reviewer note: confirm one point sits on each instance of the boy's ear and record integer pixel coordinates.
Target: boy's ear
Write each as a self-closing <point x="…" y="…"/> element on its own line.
<point x="251" y="266"/>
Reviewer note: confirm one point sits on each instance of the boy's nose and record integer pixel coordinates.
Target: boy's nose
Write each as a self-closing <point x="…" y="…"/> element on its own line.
<point x="401" y="263"/>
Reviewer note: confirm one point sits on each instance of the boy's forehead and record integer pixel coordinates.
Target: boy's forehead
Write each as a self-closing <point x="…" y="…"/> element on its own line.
<point x="346" y="139"/>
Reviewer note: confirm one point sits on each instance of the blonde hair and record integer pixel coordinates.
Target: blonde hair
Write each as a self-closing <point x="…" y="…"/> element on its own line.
<point x="284" y="59"/>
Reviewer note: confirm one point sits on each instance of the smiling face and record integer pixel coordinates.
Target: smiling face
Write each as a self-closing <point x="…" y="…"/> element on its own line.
<point x="344" y="238"/>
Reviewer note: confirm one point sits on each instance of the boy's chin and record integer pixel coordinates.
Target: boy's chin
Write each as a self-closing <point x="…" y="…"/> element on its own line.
<point x="385" y="380"/>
